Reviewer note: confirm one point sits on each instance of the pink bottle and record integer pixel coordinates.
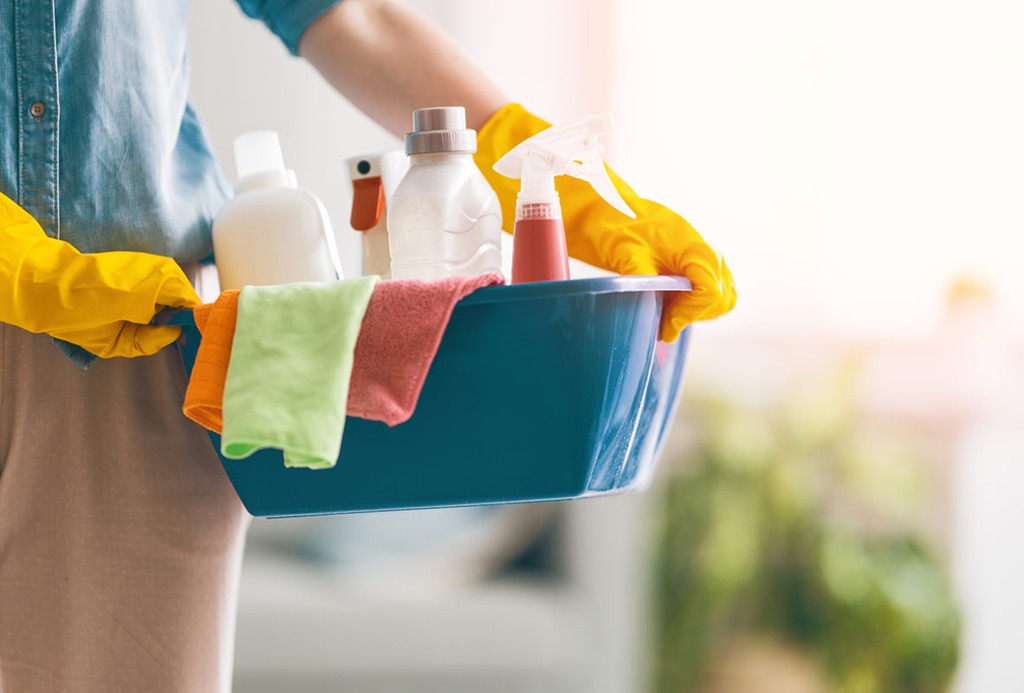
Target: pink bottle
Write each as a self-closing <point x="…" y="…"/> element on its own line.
<point x="538" y="244"/>
<point x="538" y="239"/>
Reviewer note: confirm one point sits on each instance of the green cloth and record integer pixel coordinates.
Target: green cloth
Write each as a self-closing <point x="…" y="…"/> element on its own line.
<point x="287" y="381"/>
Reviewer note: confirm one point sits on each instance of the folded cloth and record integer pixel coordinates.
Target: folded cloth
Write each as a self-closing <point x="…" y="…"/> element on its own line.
<point x="291" y="361"/>
<point x="401" y="332"/>
<point x="204" y="397"/>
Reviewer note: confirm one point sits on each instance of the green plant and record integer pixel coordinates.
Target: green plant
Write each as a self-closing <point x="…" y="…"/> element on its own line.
<point x="800" y="525"/>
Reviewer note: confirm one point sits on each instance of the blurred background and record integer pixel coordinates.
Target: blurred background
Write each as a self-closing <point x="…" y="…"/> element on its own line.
<point x="838" y="507"/>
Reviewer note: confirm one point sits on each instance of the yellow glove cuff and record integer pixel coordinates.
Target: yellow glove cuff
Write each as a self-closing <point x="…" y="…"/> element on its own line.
<point x="102" y="302"/>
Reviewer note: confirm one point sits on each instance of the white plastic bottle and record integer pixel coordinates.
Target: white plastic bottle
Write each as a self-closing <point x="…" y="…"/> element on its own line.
<point x="271" y="232"/>
<point x="444" y="219"/>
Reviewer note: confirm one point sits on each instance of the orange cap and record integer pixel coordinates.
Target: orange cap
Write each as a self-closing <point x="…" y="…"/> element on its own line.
<point x="367" y="202"/>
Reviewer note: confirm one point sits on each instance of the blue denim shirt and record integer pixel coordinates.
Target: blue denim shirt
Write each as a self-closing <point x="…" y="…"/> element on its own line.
<point x="97" y="138"/>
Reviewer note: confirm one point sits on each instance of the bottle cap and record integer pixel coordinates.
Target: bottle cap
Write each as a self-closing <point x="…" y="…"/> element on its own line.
<point x="437" y="130"/>
<point x="256" y="152"/>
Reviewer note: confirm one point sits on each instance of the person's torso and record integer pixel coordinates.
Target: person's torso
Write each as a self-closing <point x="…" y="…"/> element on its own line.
<point x="97" y="139"/>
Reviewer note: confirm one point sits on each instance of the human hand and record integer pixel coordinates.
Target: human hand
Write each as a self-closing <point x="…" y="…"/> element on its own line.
<point x="102" y="302"/>
<point x="658" y="241"/>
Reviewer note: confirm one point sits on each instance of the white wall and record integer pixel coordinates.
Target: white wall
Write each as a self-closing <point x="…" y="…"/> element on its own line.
<point x="849" y="159"/>
<point x="989" y="481"/>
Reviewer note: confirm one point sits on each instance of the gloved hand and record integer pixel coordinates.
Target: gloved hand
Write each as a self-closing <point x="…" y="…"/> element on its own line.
<point x="102" y="302"/>
<point x="658" y="241"/>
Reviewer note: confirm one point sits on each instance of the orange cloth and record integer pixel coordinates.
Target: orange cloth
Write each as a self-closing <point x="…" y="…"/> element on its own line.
<point x="204" y="398"/>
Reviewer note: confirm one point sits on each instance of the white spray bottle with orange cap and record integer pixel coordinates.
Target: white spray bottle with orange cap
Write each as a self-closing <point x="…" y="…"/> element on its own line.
<point x="538" y="251"/>
<point x="374" y="178"/>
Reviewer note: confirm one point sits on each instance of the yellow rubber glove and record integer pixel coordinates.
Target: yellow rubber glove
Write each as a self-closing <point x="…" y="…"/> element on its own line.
<point x="102" y="302"/>
<point x="658" y="241"/>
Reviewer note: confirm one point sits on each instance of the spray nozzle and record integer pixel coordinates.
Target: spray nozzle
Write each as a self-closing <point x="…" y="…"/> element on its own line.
<point x="572" y="149"/>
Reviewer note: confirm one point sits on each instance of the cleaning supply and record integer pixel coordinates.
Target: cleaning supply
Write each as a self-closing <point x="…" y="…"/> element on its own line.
<point x="102" y="302"/>
<point x="444" y="220"/>
<point x="658" y="241"/>
<point x="204" y="396"/>
<point x="539" y="252"/>
<point x="374" y="178"/>
<point x="271" y="232"/>
<point x="291" y="360"/>
<point x="401" y="332"/>
<point x="592" y="342"/>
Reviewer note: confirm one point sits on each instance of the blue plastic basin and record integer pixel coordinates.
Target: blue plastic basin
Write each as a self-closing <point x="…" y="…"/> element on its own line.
<point x="539" y="392"/>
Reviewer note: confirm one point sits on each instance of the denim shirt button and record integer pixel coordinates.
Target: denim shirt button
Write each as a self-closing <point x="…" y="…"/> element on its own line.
<point x="38" y="109"/>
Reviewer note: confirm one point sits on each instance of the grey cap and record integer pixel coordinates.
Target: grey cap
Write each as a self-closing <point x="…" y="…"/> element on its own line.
<point x="438" y="130"/>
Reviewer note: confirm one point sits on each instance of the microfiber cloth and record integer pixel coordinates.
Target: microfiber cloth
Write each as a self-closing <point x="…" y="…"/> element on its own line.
<point x="291" y="361"/>
<point x="204" y="397"/>
<point x="401" y="332"/>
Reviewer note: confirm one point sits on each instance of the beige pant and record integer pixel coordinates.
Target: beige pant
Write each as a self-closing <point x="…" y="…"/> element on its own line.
<point x="120" y="535"/>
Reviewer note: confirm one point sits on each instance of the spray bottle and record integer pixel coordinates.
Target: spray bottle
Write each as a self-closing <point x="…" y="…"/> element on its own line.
<point x="374" y="179"/>
<point x="538" y="250"/>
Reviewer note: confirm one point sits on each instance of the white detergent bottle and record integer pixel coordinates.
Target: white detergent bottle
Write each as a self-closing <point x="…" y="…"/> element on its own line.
<point x="444" y="219"/>
<point x="271" y="232"/>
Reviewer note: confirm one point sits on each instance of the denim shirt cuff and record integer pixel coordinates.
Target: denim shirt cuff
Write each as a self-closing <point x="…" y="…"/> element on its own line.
<point x="289" y="19"/>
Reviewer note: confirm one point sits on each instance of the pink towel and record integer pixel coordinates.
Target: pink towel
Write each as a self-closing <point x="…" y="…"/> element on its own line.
<point x="401" y="331"/>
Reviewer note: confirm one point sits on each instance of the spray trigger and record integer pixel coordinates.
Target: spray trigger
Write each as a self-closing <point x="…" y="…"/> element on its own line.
<point x="573" y="150"/>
